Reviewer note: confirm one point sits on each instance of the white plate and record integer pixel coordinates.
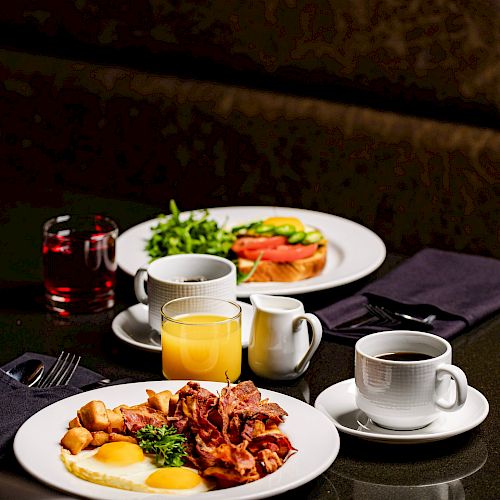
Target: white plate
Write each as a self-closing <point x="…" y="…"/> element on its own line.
<point x="132" y="326"/>
<point x="353" y="250"/>
<point x="338" y="403"/>
<point x="37" y="448"/>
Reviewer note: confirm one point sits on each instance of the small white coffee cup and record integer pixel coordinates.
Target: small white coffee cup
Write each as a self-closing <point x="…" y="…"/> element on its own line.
<point x="184" y="275"/>
<point x="406" y="394"/>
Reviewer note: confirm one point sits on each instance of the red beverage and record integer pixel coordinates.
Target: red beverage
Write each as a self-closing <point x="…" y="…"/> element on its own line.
<point x="79" y="263"/>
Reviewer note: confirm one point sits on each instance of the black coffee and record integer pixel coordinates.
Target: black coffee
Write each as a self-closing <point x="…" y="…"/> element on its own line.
<point x="191" y="279"/>
<point x="404" y="356"/>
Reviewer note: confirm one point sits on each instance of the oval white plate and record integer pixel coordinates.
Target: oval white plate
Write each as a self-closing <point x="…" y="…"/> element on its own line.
<point x="37" y="448"/>
<point x="354" y="251"/>
<point x="132" y="326"/>
<point x="338" y="403"/>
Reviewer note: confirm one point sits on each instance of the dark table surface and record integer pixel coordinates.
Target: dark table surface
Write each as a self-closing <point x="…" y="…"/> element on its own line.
<point x="464" y="466"/>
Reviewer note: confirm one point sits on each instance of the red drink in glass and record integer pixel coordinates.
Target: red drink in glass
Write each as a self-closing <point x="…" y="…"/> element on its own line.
<point x="79" y="263"/>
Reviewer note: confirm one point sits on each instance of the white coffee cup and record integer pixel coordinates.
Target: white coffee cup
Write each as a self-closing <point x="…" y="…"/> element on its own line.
<point x="183" y="275"/>
<point x="406" y="394"/>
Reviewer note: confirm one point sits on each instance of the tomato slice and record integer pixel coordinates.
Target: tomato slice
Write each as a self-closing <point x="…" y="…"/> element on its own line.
<point x="282" y="253"/>
<point x="250" y="243"/>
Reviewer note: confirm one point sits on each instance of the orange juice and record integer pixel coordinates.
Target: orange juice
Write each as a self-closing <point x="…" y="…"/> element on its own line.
<point x="201" y="347"/>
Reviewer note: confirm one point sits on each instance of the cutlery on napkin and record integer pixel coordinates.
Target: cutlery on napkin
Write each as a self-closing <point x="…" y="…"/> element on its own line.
<point x="460" y="289"/>
<point x="18" y="401"/>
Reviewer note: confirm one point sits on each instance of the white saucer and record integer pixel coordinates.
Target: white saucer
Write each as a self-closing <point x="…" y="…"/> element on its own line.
<point x="132" y="326"/>
<point x="338" y="403"/>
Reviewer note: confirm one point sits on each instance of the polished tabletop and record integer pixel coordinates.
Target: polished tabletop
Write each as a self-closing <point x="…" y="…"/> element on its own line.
<point x="464" y="466"/>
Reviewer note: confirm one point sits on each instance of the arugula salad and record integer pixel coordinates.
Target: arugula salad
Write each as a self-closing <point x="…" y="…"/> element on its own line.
<point x="195" y="234"/>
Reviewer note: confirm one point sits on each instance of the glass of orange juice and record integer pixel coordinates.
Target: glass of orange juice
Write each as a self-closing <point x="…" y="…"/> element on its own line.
<point x="201" y="339"/>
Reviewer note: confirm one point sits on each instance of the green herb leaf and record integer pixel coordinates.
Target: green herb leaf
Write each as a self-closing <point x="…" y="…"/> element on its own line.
<point x="196" y="234"/>
<point x="243" y="277"/>
<point x="165" y="442"/>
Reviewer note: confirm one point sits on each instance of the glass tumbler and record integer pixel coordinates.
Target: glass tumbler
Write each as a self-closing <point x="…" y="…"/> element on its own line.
<point x="79" y="263"/>
<point x="201" y="339"/>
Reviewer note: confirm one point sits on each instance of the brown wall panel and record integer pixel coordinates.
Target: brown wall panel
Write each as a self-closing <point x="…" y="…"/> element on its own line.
<point x="73" y="125"/>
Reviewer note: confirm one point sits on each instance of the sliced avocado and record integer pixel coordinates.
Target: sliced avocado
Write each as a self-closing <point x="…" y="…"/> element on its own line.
<point x="296" y="237"/>
<point x="312" y="237"/>
<point x="284" y="230"/>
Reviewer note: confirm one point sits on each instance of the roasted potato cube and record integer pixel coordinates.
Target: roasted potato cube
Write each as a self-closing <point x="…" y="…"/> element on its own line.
<point x="118" y="408"/>
<point x="75" y="422"/>
<point x="159" y="400"/>
<point x="116" y="421"/>
<point x="99" y="438"/>
<point x="173" y="403"/>
<point x="76" y="439"/>
<point x="113" y="436"/>
<point x="93" y="416"/>
<point x="140" y="405"/>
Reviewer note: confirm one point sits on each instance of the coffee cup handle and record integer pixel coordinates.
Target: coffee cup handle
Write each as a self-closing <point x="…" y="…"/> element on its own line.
<point x="460" y="383"/>
<point x="139" y="280"/>
<point x="317" y="333"/>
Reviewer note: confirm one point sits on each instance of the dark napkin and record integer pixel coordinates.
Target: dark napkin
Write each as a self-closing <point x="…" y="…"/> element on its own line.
<point x="460" y="289"/>
<point x="18" y="402"/>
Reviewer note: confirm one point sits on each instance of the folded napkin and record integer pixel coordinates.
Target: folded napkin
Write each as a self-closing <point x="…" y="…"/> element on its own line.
<point x="460" y="289"/>
<point x="18" y="402"/>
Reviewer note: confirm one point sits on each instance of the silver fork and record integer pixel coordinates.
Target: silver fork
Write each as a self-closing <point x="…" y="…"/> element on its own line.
<point x="372" y="317"/>
<point x="389" y="314"/>
<point x="381" y="316"/>
<point x="62" y="371"/>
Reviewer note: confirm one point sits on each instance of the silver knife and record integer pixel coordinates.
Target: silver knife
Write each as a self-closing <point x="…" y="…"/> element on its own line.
<point x="96" y="385"/>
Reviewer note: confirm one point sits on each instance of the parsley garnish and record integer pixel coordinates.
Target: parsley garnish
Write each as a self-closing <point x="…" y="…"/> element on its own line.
<point x="165" y="442"/>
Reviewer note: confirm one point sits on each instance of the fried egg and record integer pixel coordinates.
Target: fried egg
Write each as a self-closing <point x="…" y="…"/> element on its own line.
<point x="124" y="465"/>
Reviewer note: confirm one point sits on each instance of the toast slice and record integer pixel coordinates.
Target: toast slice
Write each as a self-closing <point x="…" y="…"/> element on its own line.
<point x="297" y="270"/>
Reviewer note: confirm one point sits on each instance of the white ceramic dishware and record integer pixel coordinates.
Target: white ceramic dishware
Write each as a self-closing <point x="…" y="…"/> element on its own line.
<point x="279" y="346"/>
<point x="353" y="251"/>
<point x="317" y="444"/>
<point x="403" y="378"/>
<point x="184" y="275"/>
<point x="338" y="403"/>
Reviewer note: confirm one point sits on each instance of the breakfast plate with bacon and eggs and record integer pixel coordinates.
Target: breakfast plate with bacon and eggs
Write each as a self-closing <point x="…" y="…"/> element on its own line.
<point x="292" y="444"/>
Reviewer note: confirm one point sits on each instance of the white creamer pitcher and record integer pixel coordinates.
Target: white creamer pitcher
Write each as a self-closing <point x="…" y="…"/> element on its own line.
<point x="279" y="346"/>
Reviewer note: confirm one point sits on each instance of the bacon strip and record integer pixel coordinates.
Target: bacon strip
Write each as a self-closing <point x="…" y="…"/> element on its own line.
<point x="233" y="438"/>
<point x="136" y="418"/>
